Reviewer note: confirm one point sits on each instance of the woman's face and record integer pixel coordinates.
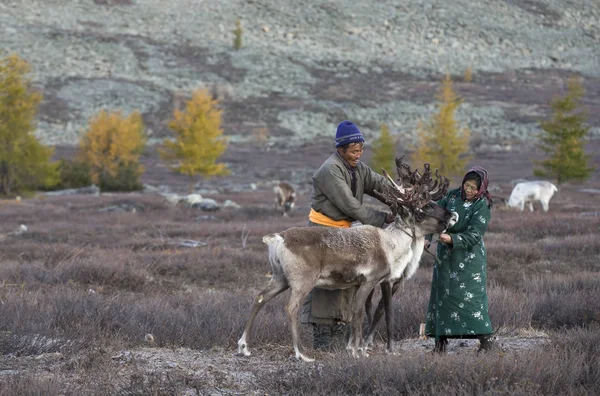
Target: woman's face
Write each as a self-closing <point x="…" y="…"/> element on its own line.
<point x="470" y="187"/>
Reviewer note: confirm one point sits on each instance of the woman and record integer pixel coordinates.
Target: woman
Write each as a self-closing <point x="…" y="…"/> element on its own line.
<point x="458" y="304"/>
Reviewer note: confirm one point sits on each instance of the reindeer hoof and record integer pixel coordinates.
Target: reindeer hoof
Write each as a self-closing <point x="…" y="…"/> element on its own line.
<point x="243" y="351"/>
<point x="304" y="358"/>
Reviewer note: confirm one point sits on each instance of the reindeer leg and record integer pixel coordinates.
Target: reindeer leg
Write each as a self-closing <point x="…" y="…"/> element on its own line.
<point x="296" y="298"/>
<point x="373" y="321"/>
<point x="368" y="307"/>
<point x="355" y="344"/>
<point x="386" y="291"/>
<point x="378" y="314"/>
<point x="273" y="288"/>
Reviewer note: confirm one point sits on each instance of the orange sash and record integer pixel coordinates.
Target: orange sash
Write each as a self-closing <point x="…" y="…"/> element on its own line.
<point x="320" y="218"/>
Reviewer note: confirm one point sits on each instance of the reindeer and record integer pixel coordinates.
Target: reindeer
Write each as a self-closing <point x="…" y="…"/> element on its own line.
<point x="285" y="197"/>
<point x="336" y="258"/>
<point x="528" y="191"/>
<point x="389" y="288"/>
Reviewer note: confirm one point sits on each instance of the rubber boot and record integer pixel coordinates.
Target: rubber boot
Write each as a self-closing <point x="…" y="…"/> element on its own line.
<point x="486" y="343"/>
<point x="321" y="336"/>
<point x="339" y="336"/>
<point x="441" y="345"/>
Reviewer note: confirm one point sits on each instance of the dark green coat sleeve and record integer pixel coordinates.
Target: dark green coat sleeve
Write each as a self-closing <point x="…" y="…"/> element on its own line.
<point x="475" y="230"/>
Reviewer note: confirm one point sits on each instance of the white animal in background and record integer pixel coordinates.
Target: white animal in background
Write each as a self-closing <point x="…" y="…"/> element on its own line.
<point x="191" y="199"/>
<point x="171" y="199"/>
<point x="529" y="191"/>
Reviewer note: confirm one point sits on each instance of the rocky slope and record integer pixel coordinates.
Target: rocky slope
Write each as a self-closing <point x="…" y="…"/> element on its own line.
<point x="303" y="68"/>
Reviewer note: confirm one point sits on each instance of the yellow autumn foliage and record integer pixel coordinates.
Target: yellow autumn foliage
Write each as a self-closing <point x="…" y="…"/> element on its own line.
<point x="198" y="139"/>
<point x="24" y="162"/>
<point x="468" y="74"/>
<point x="113" y="143"/>
<point x="441" y="143"/>
<point x="384" y="151"/>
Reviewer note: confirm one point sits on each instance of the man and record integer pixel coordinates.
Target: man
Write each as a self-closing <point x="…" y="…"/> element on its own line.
<point x="339" y="186"/>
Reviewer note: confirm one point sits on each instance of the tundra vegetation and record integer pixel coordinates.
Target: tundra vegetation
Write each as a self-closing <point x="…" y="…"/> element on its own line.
<point x="97" y="298"/>
<point x="98" y="295"/>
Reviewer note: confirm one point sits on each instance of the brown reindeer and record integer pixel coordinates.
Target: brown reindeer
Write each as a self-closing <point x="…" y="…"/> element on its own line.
<point x="285" y="197"/>
<point x="336" y="258"/>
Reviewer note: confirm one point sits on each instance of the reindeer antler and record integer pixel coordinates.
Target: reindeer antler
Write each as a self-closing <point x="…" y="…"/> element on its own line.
<point x="415" y="189"/>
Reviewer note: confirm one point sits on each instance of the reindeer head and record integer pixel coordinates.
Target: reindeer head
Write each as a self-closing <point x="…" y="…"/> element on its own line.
<point x="413" y="198"/>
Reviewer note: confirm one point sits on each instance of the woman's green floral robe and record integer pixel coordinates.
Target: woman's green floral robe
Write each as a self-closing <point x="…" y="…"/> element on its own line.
<point x="458" y="305"/>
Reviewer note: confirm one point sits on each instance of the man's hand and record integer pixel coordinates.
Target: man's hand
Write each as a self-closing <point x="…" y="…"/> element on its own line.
<point x="389" y="218"/>
<point x="445" y="238"/>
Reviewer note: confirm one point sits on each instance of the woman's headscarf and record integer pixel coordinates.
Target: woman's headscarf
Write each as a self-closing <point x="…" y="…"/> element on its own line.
<point x="483" y="186"/>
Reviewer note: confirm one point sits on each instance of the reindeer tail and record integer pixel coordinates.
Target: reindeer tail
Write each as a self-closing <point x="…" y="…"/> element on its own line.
<point x="270" y="239"/>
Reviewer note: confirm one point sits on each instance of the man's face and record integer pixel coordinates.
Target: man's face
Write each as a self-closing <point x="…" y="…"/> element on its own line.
<point x="352" y="153"/>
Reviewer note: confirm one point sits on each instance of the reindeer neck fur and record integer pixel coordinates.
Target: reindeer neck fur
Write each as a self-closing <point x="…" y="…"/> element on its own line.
<point x="409" y="244"/>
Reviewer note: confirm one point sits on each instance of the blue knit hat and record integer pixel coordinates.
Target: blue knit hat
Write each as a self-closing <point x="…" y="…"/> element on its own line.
<point x="347" y="133"/>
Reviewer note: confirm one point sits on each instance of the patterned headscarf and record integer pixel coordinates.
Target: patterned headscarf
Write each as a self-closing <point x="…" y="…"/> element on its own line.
<point x="483" y="186"/>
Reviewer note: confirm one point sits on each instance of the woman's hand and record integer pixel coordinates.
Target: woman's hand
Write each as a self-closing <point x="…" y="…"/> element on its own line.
<point x="445" y="238"/>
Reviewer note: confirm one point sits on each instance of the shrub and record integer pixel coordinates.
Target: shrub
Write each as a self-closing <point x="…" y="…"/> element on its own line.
<point x="111" y="147"/>
<point x="73" y="174"/>
<point x="127" y="178"/>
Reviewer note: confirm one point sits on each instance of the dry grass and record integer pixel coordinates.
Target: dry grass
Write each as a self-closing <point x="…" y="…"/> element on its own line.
<point x="85" y="283"/>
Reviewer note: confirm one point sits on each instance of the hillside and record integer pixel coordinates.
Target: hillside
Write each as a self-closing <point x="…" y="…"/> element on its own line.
<point x="301" y="70"/>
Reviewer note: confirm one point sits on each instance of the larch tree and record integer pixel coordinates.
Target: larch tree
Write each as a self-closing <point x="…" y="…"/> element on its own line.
<point x="384" y="151"/>
<point x="563" y="138"/>
<point x="237" y="34"/>
<point x="25" y="164"/>
<point x="441" y="142"/>
<point x="198" y="139"/>
<point x="111" y="147"/>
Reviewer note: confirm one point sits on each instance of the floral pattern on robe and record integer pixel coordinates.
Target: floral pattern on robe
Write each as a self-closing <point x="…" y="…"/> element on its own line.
<point x="458" y="303"/>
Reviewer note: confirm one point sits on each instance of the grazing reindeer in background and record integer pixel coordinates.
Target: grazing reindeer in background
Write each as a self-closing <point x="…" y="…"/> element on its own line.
<point x="336" y="258"/>
<point x="285" y="197"/>
<point x="529" y="191"/>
